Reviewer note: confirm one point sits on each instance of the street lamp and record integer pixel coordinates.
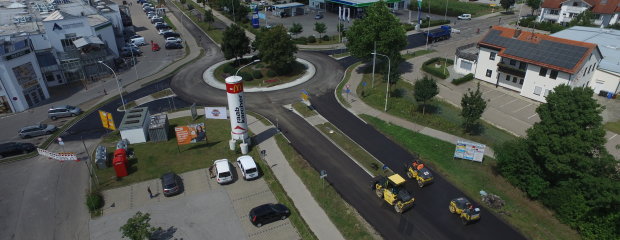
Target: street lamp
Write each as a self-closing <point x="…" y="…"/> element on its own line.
<point x="255" y="61"/>
<point x="387" y="90"/>
<point x="117" y="84"/>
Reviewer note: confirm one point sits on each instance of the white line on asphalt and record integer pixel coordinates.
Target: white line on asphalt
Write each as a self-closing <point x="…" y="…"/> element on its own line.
<point x="532" y="115"/>
<point x="508" y="103"/>
<point x="496" y="97"/>
<point x="488" y="91"/>
<point x="612" y="137"/>
<point x="522" y="108"/>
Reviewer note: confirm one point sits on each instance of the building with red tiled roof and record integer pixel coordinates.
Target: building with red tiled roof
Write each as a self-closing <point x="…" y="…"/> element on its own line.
<point x="530" y="63"/>
<point x="606" y="12"/>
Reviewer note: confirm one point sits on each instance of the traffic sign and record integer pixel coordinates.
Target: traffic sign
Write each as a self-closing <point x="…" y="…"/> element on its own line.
<point x="106" y="120"/>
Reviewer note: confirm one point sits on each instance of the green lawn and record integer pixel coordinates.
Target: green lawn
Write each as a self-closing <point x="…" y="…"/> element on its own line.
<point x="456" y="7"/>
<point x="340" y="213"/>
<point x="167" y="20"/>
<point x="347" y="75"/>
<point x="530" y="217"/>
<point x="303" y="109"/>
<point x="417" y="53"/>
<point x="297" y="70"/>
<point x="214" y="33"/>
<point x="438" y="114"/>
<point x="613" y="126"/>
<point x="339" y="55"/>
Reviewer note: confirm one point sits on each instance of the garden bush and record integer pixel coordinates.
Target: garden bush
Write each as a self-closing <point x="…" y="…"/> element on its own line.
<point x="246" y="76"/>
<point x="464" y="79"/>
<point x="94" y="201"/>
<point x="182" y="1"/>
<point x="311" y="39"/>
<point x="190" y="7"/>
<point x="408" y="27"/>
<point x="300" y="40"/>
<point x="271" y="73"/>
<point x="530" y="22"/>
<point x="427" y="67"/>
<point x="257" y="74"/>
<point x="229" y="68"/>
<point x="325" y="38"/>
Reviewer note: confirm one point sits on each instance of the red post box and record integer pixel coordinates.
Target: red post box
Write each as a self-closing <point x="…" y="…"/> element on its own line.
<point x="120" y="163"/>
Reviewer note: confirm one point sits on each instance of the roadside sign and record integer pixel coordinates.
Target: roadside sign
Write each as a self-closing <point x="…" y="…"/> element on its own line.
<point x="63" y="156"/>
<point x="323" y="174"/>
<point x="304" y="95"/>
<point x="106" y="120"/>
<point x="60" y="142"/>
<point x="363" y="84"/>
<point x="469" y="150"/>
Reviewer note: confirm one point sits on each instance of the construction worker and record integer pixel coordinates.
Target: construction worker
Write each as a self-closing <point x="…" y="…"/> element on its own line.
<point x="420" y="166"/>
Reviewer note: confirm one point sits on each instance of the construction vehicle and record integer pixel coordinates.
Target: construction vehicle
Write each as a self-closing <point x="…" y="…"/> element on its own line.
<point x="392" y="190"/>
<point x="466" y="211"/>
<point x="438" y="34"/>
<point x="418" y="171"/>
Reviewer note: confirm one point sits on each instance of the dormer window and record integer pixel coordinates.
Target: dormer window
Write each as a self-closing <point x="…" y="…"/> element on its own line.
<point x="575" y="4"/>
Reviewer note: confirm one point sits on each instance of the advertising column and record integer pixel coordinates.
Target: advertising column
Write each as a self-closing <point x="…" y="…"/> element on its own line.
<point x="236" y="109"/>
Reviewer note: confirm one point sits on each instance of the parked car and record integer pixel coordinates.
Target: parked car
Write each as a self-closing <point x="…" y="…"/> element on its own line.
<point x="464" y="16"/>
<point x="247" y="166"/>
<point x="268" y="213"/>
<point x="162" y="31"/>
<point x="222" y="171"/>
<point x="130" y="52"/>
<point x="132" y="45"/>
<point x="173" y="45"/>
<point x="151" y="15"/>
<point x="318" y="16"/>
<point x="160" y="25"/>
<point x="174" y="39"/>
<point x="156" y="20"/>
<point x="171" y="34"/>
<point x="171" y="183"/>
<point x="36" y="130"/>
<point x="15" y="148"/>
<point x="137" y="40"/>
<point x="63" y="111"/>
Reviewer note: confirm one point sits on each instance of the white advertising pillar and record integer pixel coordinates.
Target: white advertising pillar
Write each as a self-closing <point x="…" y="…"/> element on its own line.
<point x="236" y="109"/>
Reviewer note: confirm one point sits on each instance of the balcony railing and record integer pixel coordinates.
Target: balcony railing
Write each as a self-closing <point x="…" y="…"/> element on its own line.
<point x="502" y="67"/>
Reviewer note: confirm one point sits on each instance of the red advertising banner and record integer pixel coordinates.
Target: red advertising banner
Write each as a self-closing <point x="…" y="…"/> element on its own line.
<point x="234" y="87"/>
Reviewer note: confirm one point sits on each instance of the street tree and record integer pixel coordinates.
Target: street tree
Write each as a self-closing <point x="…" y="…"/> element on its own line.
<point x="138" y="227"/>
<point x="208" y="16"/>
<point x="276" y="49"/>
<point x="473" y="105"/>
<point x="383" y="28"/>
<point x="533" y="4"/>
<point x="235" y="9"/>
<point x="582" y="19"/>
<point x="506" y="4"/>
<point x="235" y="43"/>
<point x="424" y="90"/>
<point x="320" y="28"/>
<point x="296" y="29"/>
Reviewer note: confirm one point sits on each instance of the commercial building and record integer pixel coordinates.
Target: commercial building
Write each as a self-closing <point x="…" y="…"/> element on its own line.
<point x="606" y="12"/>
<point x="354" y="8"/>
<point x="529" y="63"/>
<point x="607" y="74"/>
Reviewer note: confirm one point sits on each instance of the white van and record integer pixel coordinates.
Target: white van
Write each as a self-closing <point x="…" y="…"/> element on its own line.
<point x="137" y="40"/>
<point x="222" y="171"/>
<point x="248" y="167"/>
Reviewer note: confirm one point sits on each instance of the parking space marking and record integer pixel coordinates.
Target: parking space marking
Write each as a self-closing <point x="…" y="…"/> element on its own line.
<point x="508" y="103"/>
<point x="612" y="137"/>
<point x="485" y="92"/>
<point x="496" y="97"/>
<point x="532" y="115"/>
<point x="522" y="108"/>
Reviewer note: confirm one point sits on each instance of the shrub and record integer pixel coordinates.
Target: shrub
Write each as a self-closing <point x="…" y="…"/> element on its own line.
<point x="271" y="73"/>
<point x="311" y="39"/>
<point x="408" y="27"/>
<point x="246" y="76"/>
<point x="325" y="38"/>
<point x="427" y="67"/>
<point x="545" y="26"/>
<point x="300" y="40"/>
<point x="229" y="68"/>
<point x="182" y="1"/>
<point x="257" y="74"/>
<point x="190" y="7"/>
<point x="464" y="79"/>
<point x="94" y="201"/>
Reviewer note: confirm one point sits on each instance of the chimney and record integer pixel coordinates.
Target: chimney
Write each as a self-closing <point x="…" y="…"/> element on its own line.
<point x="517" y="33"/>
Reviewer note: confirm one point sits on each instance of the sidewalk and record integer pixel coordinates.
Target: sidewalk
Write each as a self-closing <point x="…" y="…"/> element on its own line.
<point x="308" y="208"/>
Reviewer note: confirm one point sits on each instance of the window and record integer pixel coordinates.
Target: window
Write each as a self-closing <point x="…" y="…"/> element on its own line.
<point x="575" y="4"/>
<point x="584" y="73"/>
<point x="543" y="72"/>
<point x="513" y="62"/>
<point x="537" y="90"/>
<point x="547" y="91"/>
<point x="514" y="79"/>
<point x="522" y="65"/>
<point x="489" y="72"/>
<point x="492" y="57"/>
<point x="553" y="74"/>
<point x="554" y="12"/>
<point x="507" y="77"/>
<point x="521" y="81"/>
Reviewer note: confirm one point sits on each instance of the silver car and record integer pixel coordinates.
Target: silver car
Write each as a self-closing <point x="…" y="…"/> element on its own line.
<point x="37" y="130"/>
<point x="63" y="111"/>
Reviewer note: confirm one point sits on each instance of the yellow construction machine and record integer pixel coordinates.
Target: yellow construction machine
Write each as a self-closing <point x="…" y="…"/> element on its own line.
<point x="466" y="211"/>
<point x="392" y="190"/>
<point x="416" y="170"/>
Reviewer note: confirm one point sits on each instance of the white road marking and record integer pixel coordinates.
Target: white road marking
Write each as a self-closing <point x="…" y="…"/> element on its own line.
<point x="532" y="115"/>
<point x="508" y="103"/>
<point x="522" y="108"/>
<point x="496" y="97"/>
<point x="612" y="137"/>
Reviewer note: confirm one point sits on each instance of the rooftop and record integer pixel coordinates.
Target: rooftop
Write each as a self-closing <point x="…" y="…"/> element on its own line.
<point x="539" y="49"/>
<point x="608" y="41"/>
<point x="134" y="118"/>
<point x="598" y="6"/>
<point x="359" y="3"/>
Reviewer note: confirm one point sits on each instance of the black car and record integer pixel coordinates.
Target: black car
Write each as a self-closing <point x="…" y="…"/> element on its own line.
<point x="268" y="213"/>
<point x="171" y="184"/>
<point x="174" y="45"/>
<point x="171" y="34"/>
<point x="15" y="148"/>
<point x="162" y="26"/>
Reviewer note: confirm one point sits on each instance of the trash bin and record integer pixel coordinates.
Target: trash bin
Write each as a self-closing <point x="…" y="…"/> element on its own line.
<point x="101" y="157"/>
<point x="610" y="95"/>
<point x="122" y="144"/>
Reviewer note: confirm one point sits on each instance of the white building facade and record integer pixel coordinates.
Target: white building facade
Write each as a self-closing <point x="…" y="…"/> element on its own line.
<point x="606" y="12"/>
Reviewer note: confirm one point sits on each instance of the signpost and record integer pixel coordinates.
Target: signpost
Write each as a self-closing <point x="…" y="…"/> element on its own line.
<point x="193" y="111"/>
<point x="106" y="120"/>
<point x="469" y="150"/>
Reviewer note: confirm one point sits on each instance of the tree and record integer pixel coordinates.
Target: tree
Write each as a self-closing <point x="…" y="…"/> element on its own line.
<point x="296" y="29"/>
<point x="424" y="90"/>
<point x="275" y="48"/>
<point x="382" y="27"/>
<point x="582" y="19"/>
<point x="473" y="106"/>
<point x="516" y="164"/>
<point x="235" y="9"/>
<point x="320" y="28"/>
<point x="138" y="227"/>
<point x="506" y="4"/>
<point x="208" y="16"/>
<point x="235" y="43"/>
<point x="533" y="4"/>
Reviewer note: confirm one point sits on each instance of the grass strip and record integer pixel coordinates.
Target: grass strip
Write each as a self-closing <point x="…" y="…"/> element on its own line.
<point x="169" y="23"/>
<point x="347" y="76"/>
<point x="304" y="109"/>
<point x="530" y="217"/>
<point x="341" y="55"/>
<point x="339" y="212"/>
<point x="613" y="126"/>
<point x="417" y="53"/>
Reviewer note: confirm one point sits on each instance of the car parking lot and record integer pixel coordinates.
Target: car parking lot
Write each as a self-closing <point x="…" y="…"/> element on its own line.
<point x="204" y="210"/>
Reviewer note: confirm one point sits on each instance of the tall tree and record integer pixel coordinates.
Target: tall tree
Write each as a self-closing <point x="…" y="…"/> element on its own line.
<point x="208" y="16"/>
<point x="473" y="106"/>
<point x="296" y="29"/>
<point x="424" y="90"/>
<point x="320" y="28"/>
<point x="582" y="19"/>
<point x="533" y="4"/>
<point x="276" y="48"/>
<point x="382" y="27"/>
<point x="138" y="227"/>
<point x="506" y="4"/>
<point x="235" y="43"/>
<point x="519" y="168"/>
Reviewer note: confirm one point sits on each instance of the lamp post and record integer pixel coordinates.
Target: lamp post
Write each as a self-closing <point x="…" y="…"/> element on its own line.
<point x="387" y="89"/>
<point x="120" y="92"/>
<point x="255" y="61"/>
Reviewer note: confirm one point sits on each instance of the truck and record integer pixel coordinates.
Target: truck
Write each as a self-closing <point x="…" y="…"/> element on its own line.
<point x="438" y="34"/>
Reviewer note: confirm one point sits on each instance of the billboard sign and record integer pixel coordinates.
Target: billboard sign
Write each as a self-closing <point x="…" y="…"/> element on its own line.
<point x="192" y="133"/>
<point x="469" y="150"/>
<point x="216" y="113"/>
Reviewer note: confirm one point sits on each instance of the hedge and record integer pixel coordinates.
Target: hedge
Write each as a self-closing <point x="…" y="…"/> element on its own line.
<point x="436" y="72"/>
<point x="464" y="79"/>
